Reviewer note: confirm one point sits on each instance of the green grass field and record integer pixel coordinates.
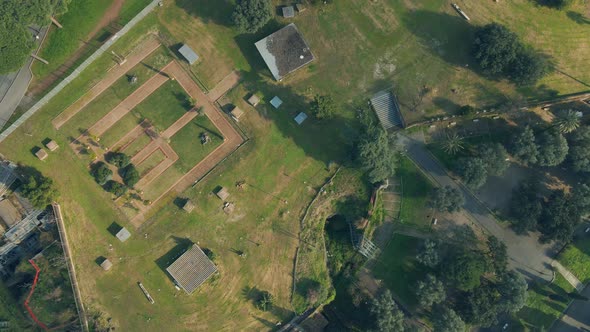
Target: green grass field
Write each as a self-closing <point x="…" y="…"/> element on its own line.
<point x="131" y="8"/>
<point x="60" y="44"/>
<point x="416" y="190"/>
<point x="14" y="313"/>
<point x="576" y="258"/>
<point x="187" y="143"/>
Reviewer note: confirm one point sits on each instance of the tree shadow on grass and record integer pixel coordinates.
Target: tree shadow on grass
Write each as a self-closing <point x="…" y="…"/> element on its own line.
<point x="182" y="245"/>
<point x="220" y="13"/>
<point x="578" y="18"/>
<point x="114" y="228"/>
<point x="535" y="318"/>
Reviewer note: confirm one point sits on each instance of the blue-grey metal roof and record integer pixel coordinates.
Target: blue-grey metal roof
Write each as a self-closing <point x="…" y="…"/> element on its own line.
<point x="276" y="102"/>
<point x="188" y="54"/>
<point x="387" y="109"/>
<point x="300" y="118"/>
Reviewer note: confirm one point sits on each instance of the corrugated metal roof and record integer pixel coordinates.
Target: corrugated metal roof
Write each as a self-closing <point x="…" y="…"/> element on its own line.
<point x="123" y="234"/>
<point x="300" y="118"/>
<point x="387" y="110"/>
<point x="188" y="54"/>
<point x="191" y="269"/>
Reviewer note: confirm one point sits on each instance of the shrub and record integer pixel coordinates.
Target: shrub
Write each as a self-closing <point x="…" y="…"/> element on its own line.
<point x="251" y="15"/>
<point x="102" y="173"/>
<point x="118" y="159"/>
<point x="115" y="188"/>
<point x="130" y="175"/>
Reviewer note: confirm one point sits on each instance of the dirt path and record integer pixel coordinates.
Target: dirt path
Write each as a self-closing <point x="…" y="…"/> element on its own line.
<point x="114" y="74"/>
<point x="179" y="124"/>
<point x="224" y="86"/>
<point x="109" y="16"/>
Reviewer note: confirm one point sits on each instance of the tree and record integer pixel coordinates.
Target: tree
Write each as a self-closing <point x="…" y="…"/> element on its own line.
<point x="264" y="301"/>
<point x="209" y="253"/>
<point x="581" y="198"/>
<point x="430" y="291"/>
<point x="566" y="121"/>
<point x="553" y="148"/>
<point x="115" y="188"/>
<point x="447" y="320"/>
<point x="39" y="190"/>
<point x="118" y="159"/>
<point x="557" y="4"/>
<point x="513" y="292"/>
<point x="496" y="158"/>
<point x="323" y="107"/>
<point x="453" y="144"/>
<point x="524" y="146"/>
<point x="251" y="15"/>
<point x="498" y="254"/>
<point x="480" y="306"/>
<point x="375" y="154"/>
<point x="429" y="256"/>
<point x="463" y="269"/>
<point x="467" y="110"/>
<point x="130" y="175"/>
<point x="528" y="67"/>
<point x="102" y="173"/>
<point x="495" y="48"/>
<point x="525" y="207"/>
<point x="473" y="171"/>
<point x="559" y="218"/>
<point x="579" y="153"/>
<point x="388" y="317"/>
<point x="447" y="199"/>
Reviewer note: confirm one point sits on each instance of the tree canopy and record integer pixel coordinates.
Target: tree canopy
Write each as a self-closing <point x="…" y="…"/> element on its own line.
<point x="552" y="147"/>
<point x="579" y="153"/>
<point x="430" y="291"/>
<point x="447" y="320"/>
<point x="130" y="175"/>
<point x="498" y="254"/>
<point x="495" y="156"/>
<point x="39" y="190"/>
<point x="429" y="254"/>
<point x="473" y="171"/>
<point x="528" y="67"/>
<point x="525" y="207"/>
<point x="323" y="107"/>
<point x="118" y="159"/>
<point x="464" y="268"/>
<point x="524" y="146"/>
<point x="101" y="172"/>
<point x="251" y="15"/>
<point x="559" y="218"/>
<point x="453" y="144"/>
<point x="447" y="199"/>
<point x="567" y="121"/>
<point x="115" y="188"/>
<point x="375" y="154"/>
<point x="512" y="288"/>
<point x="388" y="317"/>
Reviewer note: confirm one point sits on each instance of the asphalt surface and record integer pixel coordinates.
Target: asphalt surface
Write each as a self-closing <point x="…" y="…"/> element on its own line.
<point x="13" y="86"/>
<point x="577" y="316"/>
<point x="526" y="254"/>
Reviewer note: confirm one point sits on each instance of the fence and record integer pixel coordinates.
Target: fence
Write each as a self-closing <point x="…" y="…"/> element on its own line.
<point x="57" y="89"/>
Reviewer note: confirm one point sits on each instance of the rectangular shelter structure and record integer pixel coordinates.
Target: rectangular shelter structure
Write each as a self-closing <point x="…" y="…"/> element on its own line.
<point x="191" y="269"/>
<point x="300" y="118"/>
<point x="52" y="145"/>
<point x="41" y="154"/>
<point x="288" y="11"/>
<point x="385" y="105"/>
<point x="188" y="54"/>
<point x="284" y="51"/>
<point x="123" y="234"/>
<point x="253" y="100"/>
<point x="222" y="193"/>
<point x="236" y="113"/>
<point x="276" y="102"/>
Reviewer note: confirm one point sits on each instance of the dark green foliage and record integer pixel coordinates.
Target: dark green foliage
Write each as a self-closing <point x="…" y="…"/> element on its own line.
<point x="388" y="317"/>
<point x="463" y="269"/>
<point x="480" y="307"/>
<point x="323" y="107"/>
<point x="512" y="288"/>
<point x="430" y="291"/>
<point x="579" y="151"/>
<point x="581" y="198"/>
<point x="429" y="254"/>
<point x="499" y="51"/>
<point x="495" y="156"/>
<point x="467" y="110"/>
<point x="102" y="173"/>
<point x="39" y="190"/>
<point x="559" y="218"/>
<point x="566" y="121"/>
<point x="447" y="320"/>
<point x="264" y="301"/>
<point x="495" y="48"/>
<point x="525" y="207"/>
<point x="473" y="171"/>
<point x="118" y="159"/>
<point x="553" y="148"/>
<point x="130" y="175"/>
<point x="524" y="146"/>
<point x="375" y="153"/>
<point x="210" y="254"/>
<point x="557" y="4"/>
<point x="498" y="254"/>
<point x="447" y="199"/>
<point x="115" y="188"/>
<point x="251" y="15"/>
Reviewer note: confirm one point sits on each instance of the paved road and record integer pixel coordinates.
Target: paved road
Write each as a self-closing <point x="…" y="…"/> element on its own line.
<point x="577" y="316"/>
<point x="527" y="255"/>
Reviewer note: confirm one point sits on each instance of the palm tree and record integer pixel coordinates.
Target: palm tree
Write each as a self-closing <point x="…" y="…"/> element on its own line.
<point x="566" y="121"/>
<point x="453" y="143"/>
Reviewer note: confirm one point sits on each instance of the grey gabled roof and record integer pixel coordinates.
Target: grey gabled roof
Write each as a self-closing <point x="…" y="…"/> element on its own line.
<point x="191" y="269"/>
<point x="123" y="234"/>
<point x="284" y="51"/>
<point x="188" y="54"/>
<point x="387" y="109"/>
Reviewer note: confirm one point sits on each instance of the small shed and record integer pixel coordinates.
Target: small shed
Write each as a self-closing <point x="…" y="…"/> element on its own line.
<point x="191" y="269"/>
<point x="288" y="11"/>
<point x="188" y="54"/>
<point x="300" y="7"/>
<point x="276" y="102"/>
<point x="300" y="118"/>
<point x="106" y="264"/>
<point x="253" y="100"/>
<point x="222" y="193"/>
<point x="52" y="145"/>
<point x="188" y="206"/>
<point x="236" y="113"/>
<point x="41" y="154"/>
<point x="123" y="234"/>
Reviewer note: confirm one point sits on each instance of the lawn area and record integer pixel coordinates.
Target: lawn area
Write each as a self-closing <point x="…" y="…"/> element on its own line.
<point x="166" y="105"/>
<point x="398" y="268"/>
<point x="576" y="258"/>
<point x="60" y="44"/>
<point x="150" y="162"/>
<point x="187" y="143"/>
<point x="131" y="8"/>
<point x="13" y="312"/>
<point x="416" y="190"/>
<point x="545" y="304"/>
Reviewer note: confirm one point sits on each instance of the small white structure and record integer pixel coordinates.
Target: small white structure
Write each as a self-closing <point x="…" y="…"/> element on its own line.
<point x="188" y="54"/>
<point x="276" y="102"/>
<point x="253" y="100"/>
<point x="236" y="113"/>
<point x="288" y="11"/>
<point x="123" y="234"/>
<point x="300" y="118"/>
